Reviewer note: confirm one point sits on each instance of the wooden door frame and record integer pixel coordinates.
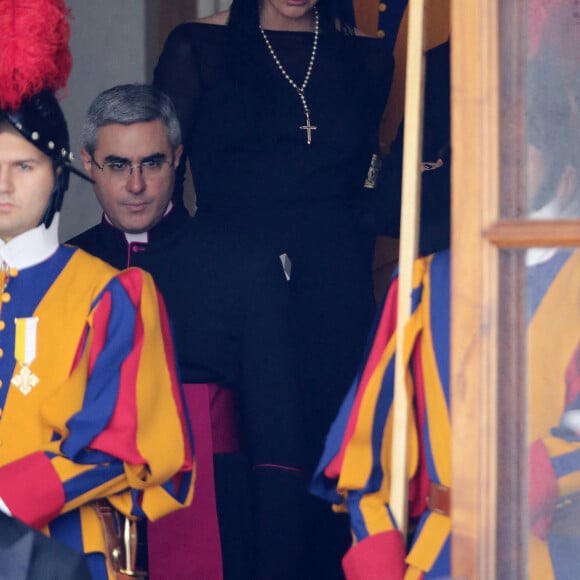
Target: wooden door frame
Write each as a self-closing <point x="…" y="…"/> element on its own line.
<point x="482" y="371"/>
<point x="474" y="279"/>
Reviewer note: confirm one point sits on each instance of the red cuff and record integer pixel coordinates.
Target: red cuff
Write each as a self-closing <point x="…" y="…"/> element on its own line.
<point x="543" y="489"/>
<point x="32" y="490"/>
<point x="378" y="557"/>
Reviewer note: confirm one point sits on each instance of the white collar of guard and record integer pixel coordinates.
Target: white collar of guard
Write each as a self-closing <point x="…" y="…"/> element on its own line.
<point x="31" y="247"/>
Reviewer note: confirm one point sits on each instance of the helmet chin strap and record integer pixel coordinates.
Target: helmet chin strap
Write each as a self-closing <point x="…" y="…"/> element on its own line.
<point x="57" y="195"/>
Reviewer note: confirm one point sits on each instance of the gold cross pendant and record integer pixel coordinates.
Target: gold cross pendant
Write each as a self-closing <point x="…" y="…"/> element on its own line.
<point x="308" y="128"/>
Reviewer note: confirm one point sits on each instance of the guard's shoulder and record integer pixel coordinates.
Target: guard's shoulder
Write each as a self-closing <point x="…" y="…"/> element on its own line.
<point x="93" y="266"/>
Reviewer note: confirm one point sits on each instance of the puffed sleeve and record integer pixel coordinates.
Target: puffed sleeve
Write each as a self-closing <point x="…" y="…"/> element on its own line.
<point x="354" y="473"/>
<point x="119" y="426"/>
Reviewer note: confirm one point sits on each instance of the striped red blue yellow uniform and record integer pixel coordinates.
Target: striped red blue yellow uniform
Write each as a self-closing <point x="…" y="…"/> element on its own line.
<point x="106" y="417"/>
<point x="553" y="378"/>
<point x="354" y="472"/>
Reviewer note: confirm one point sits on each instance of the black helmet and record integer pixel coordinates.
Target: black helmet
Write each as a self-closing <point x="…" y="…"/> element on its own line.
<point x="36" y="63"/>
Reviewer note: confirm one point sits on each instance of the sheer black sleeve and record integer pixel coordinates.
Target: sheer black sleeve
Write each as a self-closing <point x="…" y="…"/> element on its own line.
<point x="179" y="75"/>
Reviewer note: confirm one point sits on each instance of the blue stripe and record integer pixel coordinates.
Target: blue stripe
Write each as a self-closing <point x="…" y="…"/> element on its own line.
<point x="92" y="479"/>
<point x="97" y="566"/>
<point x="564" y="552"/>
<point x="26" y="292"/>
<point x="320" y="485"/>
<point x="440" y="282"/>
<point x="566" y="464"/>
<point x="68" y="530"/>
<point x="384" y="403"/>
<point x="541" y="277"/>
<point x="179" y="494"/>
<point x="104" y="383"/>
<point x="442" y="566"/>
<point x="357" y="521"/>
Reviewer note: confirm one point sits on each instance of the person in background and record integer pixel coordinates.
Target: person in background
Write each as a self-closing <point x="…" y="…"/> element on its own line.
<point x="279" y="106"/>
<point x="228" y="302"/>
<point x="93" y="427"/>
<point x="435" y="217"/>
<point x="354" y="473"/>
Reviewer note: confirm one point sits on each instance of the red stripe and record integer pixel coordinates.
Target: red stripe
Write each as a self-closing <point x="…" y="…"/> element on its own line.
<point x="377" y="557"/>
<point x="419" y="485"/>
<point x="385" y="330"/>
<point x="543" y="489"/>
<point x="32" y="490"/>
<point x="119" y="437"/>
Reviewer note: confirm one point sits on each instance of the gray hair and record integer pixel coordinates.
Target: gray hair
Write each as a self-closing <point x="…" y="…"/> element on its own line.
<point x="128" y="104"/>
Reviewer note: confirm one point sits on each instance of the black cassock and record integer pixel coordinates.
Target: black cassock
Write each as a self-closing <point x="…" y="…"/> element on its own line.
<point x="227" y="303"/>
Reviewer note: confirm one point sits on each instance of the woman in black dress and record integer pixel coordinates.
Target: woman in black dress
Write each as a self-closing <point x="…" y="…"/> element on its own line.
<point x="280" y="108"/>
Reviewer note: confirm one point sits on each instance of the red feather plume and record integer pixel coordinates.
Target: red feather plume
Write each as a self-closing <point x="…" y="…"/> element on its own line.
<point x="34" y="51"/>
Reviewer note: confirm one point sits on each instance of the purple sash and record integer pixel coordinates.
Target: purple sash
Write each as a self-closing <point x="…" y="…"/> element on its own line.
<point x="186" y="544"/>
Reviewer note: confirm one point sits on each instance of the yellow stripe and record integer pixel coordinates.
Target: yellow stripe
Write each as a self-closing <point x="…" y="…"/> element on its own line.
<point x="20" y="339"/>
<point x="556" y="447"/>
<point x="358" y="457"/>
<point x="430" y="541"/>
<point x="540" y="562"/>
<point x="412" y="573"/>
<point x="375" y="515"/>
<point x="569" y="484"/>
<point x="160" y="427"/>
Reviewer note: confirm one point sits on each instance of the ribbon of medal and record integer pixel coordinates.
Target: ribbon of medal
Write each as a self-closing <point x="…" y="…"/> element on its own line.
<point x="25" y="353"/>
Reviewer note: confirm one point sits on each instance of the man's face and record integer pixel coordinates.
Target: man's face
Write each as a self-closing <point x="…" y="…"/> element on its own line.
<point x="26" y="183"/>
<point x="133" y="202"/>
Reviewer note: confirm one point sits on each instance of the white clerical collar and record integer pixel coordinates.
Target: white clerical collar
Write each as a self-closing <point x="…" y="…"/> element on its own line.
<point x="31" y="247"/>
<point x="143" y="237"/>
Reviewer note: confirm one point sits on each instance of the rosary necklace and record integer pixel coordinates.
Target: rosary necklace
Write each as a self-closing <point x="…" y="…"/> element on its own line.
<point x="300" y="90"/>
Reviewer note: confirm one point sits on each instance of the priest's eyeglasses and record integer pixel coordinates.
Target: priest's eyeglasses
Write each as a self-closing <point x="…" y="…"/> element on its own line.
<point x="153" y="167"/>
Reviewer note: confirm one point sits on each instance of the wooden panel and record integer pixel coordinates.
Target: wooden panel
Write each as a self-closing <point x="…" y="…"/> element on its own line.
<point x="474" y="317"/>
<point x="169" y="14"/>
<point x="540" y="233"/>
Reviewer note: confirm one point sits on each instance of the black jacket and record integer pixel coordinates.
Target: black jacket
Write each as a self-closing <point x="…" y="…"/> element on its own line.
<point x="26" y="554"/>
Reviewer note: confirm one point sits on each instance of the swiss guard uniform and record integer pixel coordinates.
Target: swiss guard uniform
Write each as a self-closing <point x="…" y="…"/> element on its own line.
<point x="554" y="408"/>
<point x="227" y="302"/>
<point x="90" y="398"/>
<point x="90" y="401"/>
<point x="353" y="473"/>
